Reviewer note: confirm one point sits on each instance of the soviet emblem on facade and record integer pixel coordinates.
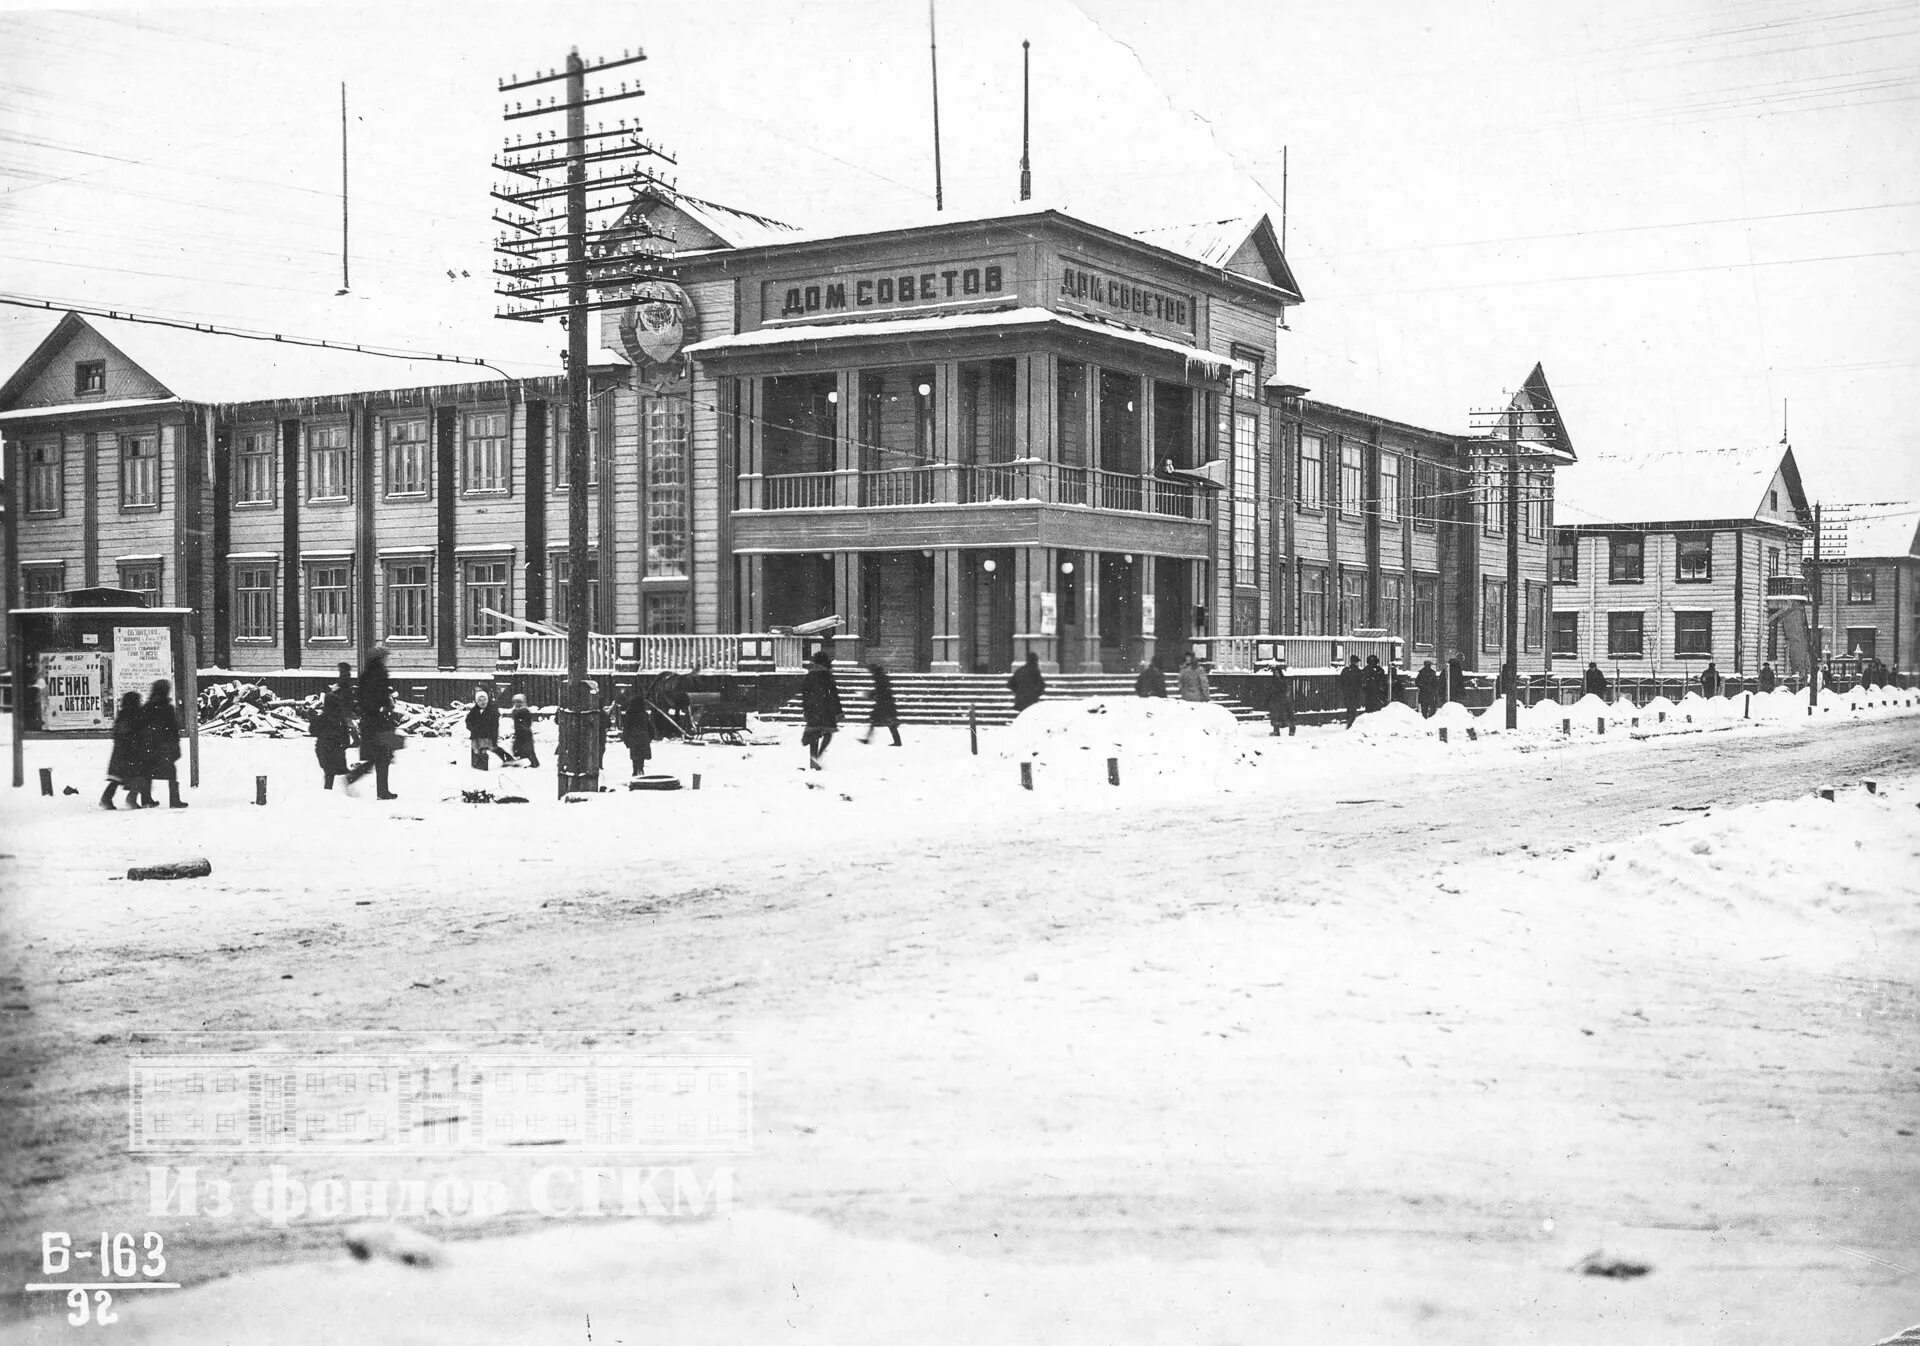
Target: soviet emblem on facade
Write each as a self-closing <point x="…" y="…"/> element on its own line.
<point x="655" y="327"/>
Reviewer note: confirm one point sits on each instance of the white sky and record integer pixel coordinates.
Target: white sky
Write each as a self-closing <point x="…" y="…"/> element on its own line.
<point x="1689" y="211"/>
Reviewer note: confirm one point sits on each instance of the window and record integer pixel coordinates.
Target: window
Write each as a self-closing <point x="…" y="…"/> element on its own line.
<point x="1535" y="634"/>
<point x="1693" y="635"/>
<point x="1493" y="615"/>
<point x="1392" y="593"/>
<point x="143" y="578"/>
<point x="1563" y="558"/>
<point x="254" y="463"/>
<point x="486" y="461"/>
<point x="1426" y="493"/>
<point x="1493" y="501"/>
<point x="559" y="420"/>
<point x="1426" y="610"/>
<point x="1860" y="641"/>
<point x="1773" y="561"/>
<point x="90" y="378"/>
<point x="560" y="566"/>
<point x="1696" y="557"/>
<point x="1389" y="488"/>
<point x="1353" y="601"/>
<point x="327" y="462"/>
<point x="46" y="478"/>
<point x="1624" y="635"/>
<point x="1246" y="531"/>
<point x="139" y="471"/>
<point x="409" y="603"/>
<point x="329" y="601"/>
<point x="666" y="486"/>
<point x="666" y="613"/>
<point x="1773" y="501"/>
<point x="1566" y="635"/>
<point x="1353" y="472"/>
<point x="1070" y="413"/>
<point x="409" y="457"/>
<point x="1119" y="422"/>
<point x="1860" y="584"/>
<point x="1626" y="557"/>
<point x="1310" y="483"/>
<point x="897" y="431"/>
<point x="254" y="587"/>
<point x="1538" y="495"/>
<point x="485" y="582"/>
<point x="41" y="585"/>
<point x="1313" y="601"/>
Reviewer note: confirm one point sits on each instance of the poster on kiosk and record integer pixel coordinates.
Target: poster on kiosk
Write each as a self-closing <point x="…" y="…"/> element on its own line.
<point x="78" y="658"/>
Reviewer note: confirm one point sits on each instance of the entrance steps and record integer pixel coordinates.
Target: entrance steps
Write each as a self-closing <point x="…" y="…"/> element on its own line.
<point x="945" y="698"/>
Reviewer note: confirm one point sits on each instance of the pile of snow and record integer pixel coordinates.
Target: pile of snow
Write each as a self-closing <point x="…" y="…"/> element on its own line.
<point x="1394" y="720"/>
<point x="1652" y="711"/>
<point x="1453" y="717"/>
<point x="1069" y="742"/>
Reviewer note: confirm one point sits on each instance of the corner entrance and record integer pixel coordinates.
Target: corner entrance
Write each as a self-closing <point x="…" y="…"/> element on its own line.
<point x="896" y="619"/>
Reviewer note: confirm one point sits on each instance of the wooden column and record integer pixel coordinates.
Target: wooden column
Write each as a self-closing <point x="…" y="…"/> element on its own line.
<point x="1033" y="575"/>
<point x="534" y="503"/>
<point x="1088" y="569"/>
<point x="90" y="505"/>
<point x="947" y="610"/>
<point x="1145" y="586"/>
<point x="846" y="594"/>
<point x="446" y="496"/>
<point x="360" y="440"/>
<point x="290" y="543"/>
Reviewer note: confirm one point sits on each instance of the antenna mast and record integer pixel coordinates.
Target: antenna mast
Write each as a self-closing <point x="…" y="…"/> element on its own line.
<point x="343" y="187"/>
<point x="933" y="53"/>
<point x="1026" y="165"/>
<point x="1283" y="198"/>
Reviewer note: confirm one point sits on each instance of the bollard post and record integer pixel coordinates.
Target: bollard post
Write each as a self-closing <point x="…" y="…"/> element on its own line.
<point x="1602" y="723"/>
<point x="1443" y="733"/>
<point x="1566" y="727"/>
<point x="260" y="790"/>
<point x="973" y="729"/>
<point x="1873" y="786"/>
<point x="1113" y="771"/>
<point x="1825" y="793"/>
<point x="1746" y="706"/>
<point x="1663" y="717"/>
<point x="696" y="780"/>
<point x="1026" y="775"/>
<point x="46" y="780"/>
<point x="1473" y="734"/>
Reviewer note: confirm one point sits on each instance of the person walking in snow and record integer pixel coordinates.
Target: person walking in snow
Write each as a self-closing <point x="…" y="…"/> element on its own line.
<point x="159" y="739"/>
<point x="1280" y="700"/>
<point x="1375" y="687"/>
<point x="636" y="728"/>
<point x="1193" y="680"/>
<point x="1595" y="682"/>
<point x="1426" y="684"/>
<point x="523" y="750"/>
<point x="1710" y="681"/>
<point x="1352" y="688"/>
<point x="1150" y="681"/>
<point x="483" y="731"/>
<point x="883" y="714"/>
<point x="333" y="727"/>
<point x="819" y="707"/>
<point x="1026" y="684"/>
<point x="379" y="723"/>
<point x="123" y="765"/>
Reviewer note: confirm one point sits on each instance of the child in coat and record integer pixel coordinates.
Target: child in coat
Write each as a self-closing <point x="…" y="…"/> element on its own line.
<point x="523" y="731"/>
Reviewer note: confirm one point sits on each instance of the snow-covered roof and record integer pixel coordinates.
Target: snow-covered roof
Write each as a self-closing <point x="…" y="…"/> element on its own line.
<point x="1212" y="241"/>
<point x="65" y="408"/>
<point x="798" y="334"/>
<point x="1670" y="486"/>
<point x="1876" y="531"/>
<point x="735" y="228"/>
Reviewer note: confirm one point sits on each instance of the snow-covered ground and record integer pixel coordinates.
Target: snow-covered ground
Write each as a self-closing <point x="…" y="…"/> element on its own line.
<point x="1353" y="1036"/>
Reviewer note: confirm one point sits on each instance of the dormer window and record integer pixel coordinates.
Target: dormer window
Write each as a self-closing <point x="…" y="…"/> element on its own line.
<point x="90" y="378"/>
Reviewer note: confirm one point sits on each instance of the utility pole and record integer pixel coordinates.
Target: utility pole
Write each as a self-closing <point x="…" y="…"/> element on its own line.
<point x="1814" y="584"/>
<point x="933" y="58"/>
<point x="1513" y="568"/>
<point x="1026" y="164"/>
<point x="344" y="285"/>
<point x="540" y="264"/>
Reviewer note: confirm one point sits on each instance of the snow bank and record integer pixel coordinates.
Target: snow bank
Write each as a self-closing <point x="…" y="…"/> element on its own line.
<point x="1395" y="720"/>
<point x="1069" y="742"/>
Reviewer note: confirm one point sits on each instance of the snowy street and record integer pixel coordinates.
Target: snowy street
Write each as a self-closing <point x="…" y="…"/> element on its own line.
<point x="1358" y="1039"/>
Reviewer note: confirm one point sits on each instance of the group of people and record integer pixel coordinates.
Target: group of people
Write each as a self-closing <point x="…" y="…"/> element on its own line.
<point x="1366" y="689"/>
<point x="483" y="732"/>
<point x="146" y="748"/>
<point x="821" y="710"/>
<point x="1192" y="679"/>
<point x="359" y="714"/>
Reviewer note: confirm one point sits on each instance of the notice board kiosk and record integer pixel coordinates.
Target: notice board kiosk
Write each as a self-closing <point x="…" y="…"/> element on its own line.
<point x="72" y="662"/>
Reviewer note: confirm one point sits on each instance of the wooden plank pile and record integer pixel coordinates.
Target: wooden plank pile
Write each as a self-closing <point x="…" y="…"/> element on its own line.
<point x="251" y="710"/>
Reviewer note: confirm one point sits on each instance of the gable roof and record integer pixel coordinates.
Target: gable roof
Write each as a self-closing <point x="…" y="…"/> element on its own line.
<point x="697" y="225"/>
<point x="195" y="365"/>
<point x="1675" y="486"/>
<point x="1245" y="245"/>
<point x="1864" y="532"/>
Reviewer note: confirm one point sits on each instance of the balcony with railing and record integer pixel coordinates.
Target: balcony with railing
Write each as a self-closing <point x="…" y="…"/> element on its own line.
<point x="1785" y="589"/>
<point x="1020" y="481"/>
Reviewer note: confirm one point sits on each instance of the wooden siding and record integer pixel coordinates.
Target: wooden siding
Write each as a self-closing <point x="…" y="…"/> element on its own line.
<point x="53" y="385"/>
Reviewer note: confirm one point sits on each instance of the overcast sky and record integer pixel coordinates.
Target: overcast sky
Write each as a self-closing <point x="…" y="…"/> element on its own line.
<point x="1690" y="212"/>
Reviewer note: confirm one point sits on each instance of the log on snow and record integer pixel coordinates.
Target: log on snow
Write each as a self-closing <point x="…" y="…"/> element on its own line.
<point x="176" y="869"/>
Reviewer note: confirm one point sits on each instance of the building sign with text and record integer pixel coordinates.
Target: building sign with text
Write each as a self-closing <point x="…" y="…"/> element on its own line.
<point x="908" y="287"/>
<point x="1111" y="294"/>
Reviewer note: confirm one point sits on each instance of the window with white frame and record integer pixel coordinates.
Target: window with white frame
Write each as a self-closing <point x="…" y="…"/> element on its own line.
<point x="1393" y="590"/>
<point x="1246" y="531"/>
<point x="1426" y="610"/>
<point x="1626" y="635"/>
<point x="1693" y="635"/>
<point x="485" y="457"/>
<point x="1860" y="584"/>
<point x="254" y="461"/>
<point x="557" y="434"/>
<point x="560" y="566"/>
<point x="1493" y="499"/>
<point x="42" y="583"/>
<point x="1695" y="557"/>
<point x="140" y="470"/>
<point x="1310" y="483"/>
<point x="409" y="598"/>
<point x="666" y="613"/>
<point x="329" y="601"/>
<point x="409" y="456"/>
<point x="1493" y="615"/>
<point x="327" y="462"/>
<point x="1537" y="495"/>
<point x="1566" y="635"/>
<point x="1389" y="488"/>
<point x="1313" y="600"/>
<point x="1626" y="558"/>
<point x="143" y="578"/>
<point x="255" y="586"/>
<point x="486" y="584"/>
<point x="665" y="450"/>
<point x="1353" y="601"/>
<point x="46" y="477"/>
<point x="1563" y="558"/>
<point x="1353" y="476"/>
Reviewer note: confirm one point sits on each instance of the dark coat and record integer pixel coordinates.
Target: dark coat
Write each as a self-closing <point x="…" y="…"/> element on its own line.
<point x="636" y="720"/>
<point x="374" y="697"/>
<point x="1595" y="683"/>
<point x="159" y="738"/>
<point x="884" y="711"/>
<point x="820" y="698"/>
<point x="126" y="764"/>
<point x="1151" y="682"/>
<point x="333" y="731"/>
<point x="1280" y="697"/>
<point x="1710" y="681"/>
<point x="484" y="722"/>
<point x="522" y="731"/>
<point x="1376" y="686"/>
<point x="1027" y="686"/>
<point x="1352" y="684"/>
<point x="1767" y="678"/>
<point x="1427" y="683"/>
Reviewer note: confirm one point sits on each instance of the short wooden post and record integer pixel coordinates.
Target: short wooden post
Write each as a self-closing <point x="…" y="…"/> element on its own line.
<point x="1602" y="722"/>
<point x="260" y="790"/>
<point x="1026" y="775"/>
<point x="1663" y="717"/>
<point x="1566" y="727"/>
<point x="46" y="780"/>
<point x="696" y="780"/>
<point x="1443" y="733"/>
<point x="1473" y="734"/>
<point x="1746" y="706"/>
<point x="973" y="729"/>
<point x="1825" y="793"/>
<point x="1873" y="786"/>
<point x="1113" y="771"/>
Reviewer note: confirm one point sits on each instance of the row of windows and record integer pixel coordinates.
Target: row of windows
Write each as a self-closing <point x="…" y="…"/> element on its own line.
<point x="137" y="451"/>
<point x="1339" y="610"/>
<point x="1387" y="493"/>
<point x="486" y="459"/>
<point x="1627" y="558"/>
<point x="42" y="582"/>
<point x="1626" y="635"/>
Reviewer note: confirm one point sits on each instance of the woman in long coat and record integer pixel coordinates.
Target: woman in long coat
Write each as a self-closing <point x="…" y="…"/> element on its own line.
<point x="124" y="766"/>
<point x="885" y="713"/>
<point x="636" y="728"/>
<point x="160" y="742"/>
<point x="333" y="727"/>
<point x="379" y="722"/>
